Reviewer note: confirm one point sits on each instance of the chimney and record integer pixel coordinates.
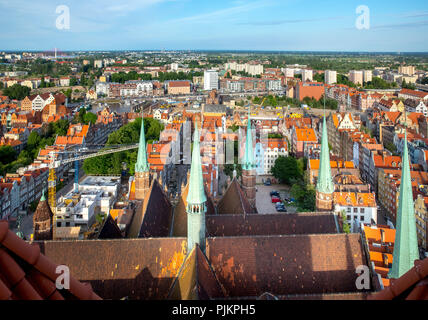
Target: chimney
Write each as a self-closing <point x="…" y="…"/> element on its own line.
<point x="385" y="260"/>
<point x="382" y="236"/>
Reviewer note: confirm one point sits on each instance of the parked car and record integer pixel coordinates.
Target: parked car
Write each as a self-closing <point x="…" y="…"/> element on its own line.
<point x="268" y="183"/>
<point x="276" y="200"/>
<point x="274" y="193"/>
<point x="281" y="208"/>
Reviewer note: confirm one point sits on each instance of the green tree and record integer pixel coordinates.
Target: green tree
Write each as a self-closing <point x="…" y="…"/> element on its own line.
<point x="17" y="92"/>
<point x="7" y="154"/>
<point x="90" y="117"/>
<point x="286" y="170"/>
<point x="345" y="225"/>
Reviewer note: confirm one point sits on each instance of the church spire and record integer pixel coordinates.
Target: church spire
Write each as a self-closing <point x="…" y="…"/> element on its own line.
<point x="142" y="164"/>
<point x="248" y="162"/>
<point x="196" y="199"/>
<point x="325" y="182"/>
<point x="406" y="243"/>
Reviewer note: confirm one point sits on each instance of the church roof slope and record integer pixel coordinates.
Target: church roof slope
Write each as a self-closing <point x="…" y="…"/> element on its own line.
<point x="270" y="224"/>
<point x="196" y="279"/>
<point x="234" y="201"/>
<point x="140" y="269"/>
<point x="154" y="216"/>
<point x="286" y="265"/>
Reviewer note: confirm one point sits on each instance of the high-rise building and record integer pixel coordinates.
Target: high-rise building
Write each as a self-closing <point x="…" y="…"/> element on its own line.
<point x="330" y="77"/>
<point x="406" y="70"/>
<point x="210" y="80"/>
<point x="356" y="77"/>
<point x="367" y="76"/>
<point x="307" y="75"/>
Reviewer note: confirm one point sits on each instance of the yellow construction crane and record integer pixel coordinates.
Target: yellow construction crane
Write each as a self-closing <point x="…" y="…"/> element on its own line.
<point x="56" y="163"/>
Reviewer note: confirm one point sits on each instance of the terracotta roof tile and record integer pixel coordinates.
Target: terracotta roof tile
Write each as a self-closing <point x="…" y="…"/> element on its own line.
<point x="36" y="282"/>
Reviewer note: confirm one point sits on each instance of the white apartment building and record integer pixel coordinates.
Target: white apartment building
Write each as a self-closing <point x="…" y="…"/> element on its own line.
<point x="210" y="80"/>
<point x="288" y="72"/>
<point x="330" y="77"/>
<point x="98" y="64"/>
<point x="356" y="77"/>
<point x="96" y="195"/>
<point x="251" y="68"/>
<point x="367" y="76"/>
<point x="406" y="70"/>
<point x="307" y="75"/>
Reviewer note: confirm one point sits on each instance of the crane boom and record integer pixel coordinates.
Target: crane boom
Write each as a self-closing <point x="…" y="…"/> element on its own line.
<point x="96" y="153"/>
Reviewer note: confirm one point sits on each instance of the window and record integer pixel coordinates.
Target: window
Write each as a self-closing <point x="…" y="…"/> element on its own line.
<point x="355" y="210"/>
<point x="362" y="210"/>
<point x="349" y="209"/>
<point x="362" y="218"/>
<point x="348" y="217"/>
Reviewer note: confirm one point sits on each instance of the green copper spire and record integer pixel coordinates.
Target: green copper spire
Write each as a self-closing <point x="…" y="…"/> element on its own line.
<point x="406" y="243"/>
<point x="196" y="199"/>
<point x="196" y="185"/>
<point x="142" y="164"/>
<point x="325" y="182"/>
<point x="43" y="198"/>
<point x="248" y="163"/>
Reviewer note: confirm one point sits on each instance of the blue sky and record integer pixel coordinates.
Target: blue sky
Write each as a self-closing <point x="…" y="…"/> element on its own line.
<point x="289" y="25"/>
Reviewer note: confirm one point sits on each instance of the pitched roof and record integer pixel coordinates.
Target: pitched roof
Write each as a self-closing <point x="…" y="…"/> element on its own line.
<point x="135" y="268"/>
<point x="354" y="199"/>
<point x="152" y="217"/>
<point x="27" y="274"/>
<point x="270" y="224"/>
<point x="234" y="201"/>
<point x="196" y="279"/>
<point x="306" y="134"/>
<point x="283" y="265"/>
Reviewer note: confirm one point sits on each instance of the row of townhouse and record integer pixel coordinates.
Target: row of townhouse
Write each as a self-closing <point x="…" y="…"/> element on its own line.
<point x="34" y="83"/>
<point x="37" y="102"/>
<point x="17" y="191"/>
<point x="351" y="97"/>
<point x="389" y="192"/>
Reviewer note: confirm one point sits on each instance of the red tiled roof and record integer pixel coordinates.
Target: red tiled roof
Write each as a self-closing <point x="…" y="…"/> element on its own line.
<point x="26" y="274"/>
<point x="413" y="285"/>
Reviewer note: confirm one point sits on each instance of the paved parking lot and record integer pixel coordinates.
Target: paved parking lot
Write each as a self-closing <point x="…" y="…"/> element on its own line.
<point x="264" y="201"/>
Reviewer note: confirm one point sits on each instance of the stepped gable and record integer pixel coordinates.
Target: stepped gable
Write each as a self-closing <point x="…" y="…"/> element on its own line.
<point x="27" y="274"/>
<point x="286" y="265"/>
<point x="270" y="224"/>
<point x="234" y="201"/>
<point x="140" y="269"/>
<point x="153" y="216"/>
<point x="196" y="279"/>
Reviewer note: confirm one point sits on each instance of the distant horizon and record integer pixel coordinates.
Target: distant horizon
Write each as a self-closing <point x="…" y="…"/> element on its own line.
<point x="216" y="50"/>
